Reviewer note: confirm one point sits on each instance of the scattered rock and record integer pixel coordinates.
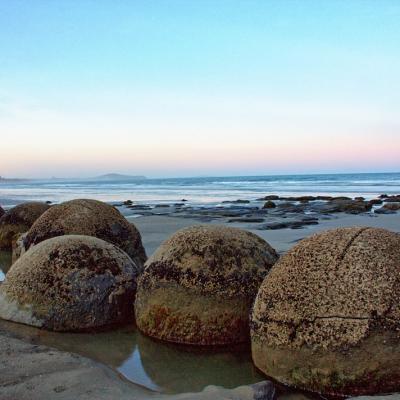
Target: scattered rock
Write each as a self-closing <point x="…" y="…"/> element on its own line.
<point x="327" y="316"/>
<point x="375" y="202"/>
<point x="384" y="210"/>
<point x="127" y="203"/>
<point x="269" y="204"/>
<point x="199" y="285"/>
<point x="360" y="198"/>
<point x="236" y="201"/>
<point x="249" y="220"/>
<point x="70" y="283"/>
<point x="91" y="218"/>
<point x="271" y="197"/>
<point x="393" y="199"/>
<point x="18" y="220"/>
<point x="296" y="224"/>
<point x="161" y="206"/>
<point x="2" y="212"/>
<point x="348" y="206"/>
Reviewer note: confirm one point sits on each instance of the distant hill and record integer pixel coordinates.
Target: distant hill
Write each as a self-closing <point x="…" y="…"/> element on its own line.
<point x="118" y="177"/>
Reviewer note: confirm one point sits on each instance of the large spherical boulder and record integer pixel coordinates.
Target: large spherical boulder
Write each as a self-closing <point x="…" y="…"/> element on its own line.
<point x="327" y="317"/>
<point x="199" y="285"/>
<point x="70" y="283"/>
<point x="18" y="220"/>
<point x="86" y="217"/>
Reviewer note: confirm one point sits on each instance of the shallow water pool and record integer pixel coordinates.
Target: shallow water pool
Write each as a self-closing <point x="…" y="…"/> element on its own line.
<point x="156" y="365"/>
<point x="5" y="263"/>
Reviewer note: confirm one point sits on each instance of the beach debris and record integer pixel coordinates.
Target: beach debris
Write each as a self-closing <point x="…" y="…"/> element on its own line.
<point x="18" y="220"/>
<point x="86" y="217"/>
<point x="70" y="283"/>
<point x="199" y="285"/>
<point x="327" y="316"/>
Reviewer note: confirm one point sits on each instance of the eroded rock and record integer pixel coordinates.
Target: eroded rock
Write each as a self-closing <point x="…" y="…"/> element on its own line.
<point x="70" y="283"/>
<point x="327" y="317"/>
<point x="18" y="220"/>
<point x="198" y="286"/>
<point x="87" y="217"/>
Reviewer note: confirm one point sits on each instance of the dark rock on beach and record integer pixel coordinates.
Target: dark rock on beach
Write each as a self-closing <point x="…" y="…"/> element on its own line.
<point x="236" y="201"/>
<point x="70" y="283"/>
<point x="18" y="220"/>
<point x="2" y="212"/>
<point x="327" y="316"/>
<point x="215" y="272"/>
<point x="269" y="204"/>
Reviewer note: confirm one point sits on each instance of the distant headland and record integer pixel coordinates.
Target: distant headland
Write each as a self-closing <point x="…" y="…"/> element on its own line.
<point x="114" y="177"/>
<point x="105" y="177"/>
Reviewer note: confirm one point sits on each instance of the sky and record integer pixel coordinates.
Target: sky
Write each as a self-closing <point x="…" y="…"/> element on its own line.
<point x="195" y="88"/>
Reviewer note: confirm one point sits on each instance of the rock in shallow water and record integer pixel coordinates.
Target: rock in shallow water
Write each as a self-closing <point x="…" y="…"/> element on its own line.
<point x="86" y="217"/>
<point x="199" y="285"/>
<point x="70" y="283"/>
<point x="327" y="317"/>
<point x="18" y="220"/>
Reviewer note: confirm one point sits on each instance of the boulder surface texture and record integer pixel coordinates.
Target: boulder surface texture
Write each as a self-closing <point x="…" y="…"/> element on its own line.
<point x="199" y="285"/>
<point x="327" y="317"/>
<point x="18" y="220"/>
<point x="70" y="283"/>
<point x="90" y="218"/>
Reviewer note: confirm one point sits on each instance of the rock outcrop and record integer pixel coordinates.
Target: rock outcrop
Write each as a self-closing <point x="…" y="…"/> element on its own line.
<point x="327" y="317"/>
<point x="199" y="285"/>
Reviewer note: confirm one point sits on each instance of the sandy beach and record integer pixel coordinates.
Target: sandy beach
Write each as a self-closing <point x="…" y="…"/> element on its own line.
<point x="155" y="229"/>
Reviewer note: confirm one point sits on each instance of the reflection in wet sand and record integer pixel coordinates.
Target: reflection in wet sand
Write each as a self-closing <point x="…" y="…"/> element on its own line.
<point x="5" y="263"/>
<point x="155" y="365"/>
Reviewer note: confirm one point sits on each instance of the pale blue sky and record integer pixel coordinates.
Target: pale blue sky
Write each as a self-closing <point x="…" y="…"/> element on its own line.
<point x="168" y="88"/>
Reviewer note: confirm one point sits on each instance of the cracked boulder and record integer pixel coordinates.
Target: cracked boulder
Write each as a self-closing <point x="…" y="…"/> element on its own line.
<point x="18" y="220"/>
<point x="199" y="285"/>
<point x="327" y="317"/>
<point x="70" y="283"/>
<point x="85" y="217"/>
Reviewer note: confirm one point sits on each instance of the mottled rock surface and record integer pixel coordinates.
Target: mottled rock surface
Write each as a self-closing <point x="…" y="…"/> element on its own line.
<point x="327" y="317"/>
<point x="70" y="283"/>
<point x="199" y="285"/>
<point x="18" y="220"/>
<point x="91" y="218"/>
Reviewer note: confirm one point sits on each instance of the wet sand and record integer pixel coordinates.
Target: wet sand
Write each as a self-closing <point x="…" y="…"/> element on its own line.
<point x="155" y="229"/>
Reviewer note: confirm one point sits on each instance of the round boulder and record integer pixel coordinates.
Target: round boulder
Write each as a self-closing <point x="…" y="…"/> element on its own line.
<point x="199" y="285"/>
<point x="70" y="283"/>
<point x="18" y="220"/>
<point x="327" y="317"/>
<point x="90" y="218"/>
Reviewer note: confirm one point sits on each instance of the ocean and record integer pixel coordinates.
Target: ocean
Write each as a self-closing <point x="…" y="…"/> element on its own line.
<point x="200" y="190"/>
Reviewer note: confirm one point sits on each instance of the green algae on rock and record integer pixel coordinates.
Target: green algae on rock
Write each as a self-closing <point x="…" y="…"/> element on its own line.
<point x="86" y="217"/>
<point x="70" y="283"/>
<point x="327" y="317"/>
<point x="199" y="285"/>
<point x="18" y="220"/>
